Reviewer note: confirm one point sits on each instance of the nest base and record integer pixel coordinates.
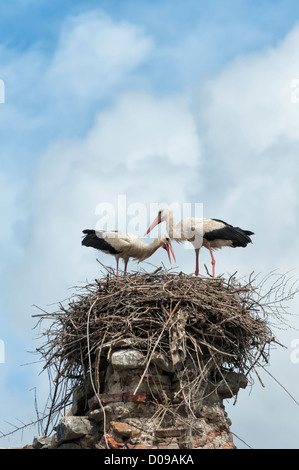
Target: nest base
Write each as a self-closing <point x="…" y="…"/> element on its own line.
<point x="147" y="359"/>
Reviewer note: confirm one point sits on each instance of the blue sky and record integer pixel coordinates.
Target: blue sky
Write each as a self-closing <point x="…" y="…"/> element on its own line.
<point x="160" y="101"/>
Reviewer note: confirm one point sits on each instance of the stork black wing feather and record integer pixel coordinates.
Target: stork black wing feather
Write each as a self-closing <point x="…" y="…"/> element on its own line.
<point x="237" y="236"/>
<point x="96" y="240"/>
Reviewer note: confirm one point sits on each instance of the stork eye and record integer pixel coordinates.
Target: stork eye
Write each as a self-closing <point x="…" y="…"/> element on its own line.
<point x="159" y="213"/>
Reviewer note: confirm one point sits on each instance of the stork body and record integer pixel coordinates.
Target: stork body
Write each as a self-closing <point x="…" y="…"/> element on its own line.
<point x="125" y="245"/>
<point x="210" y="233"/>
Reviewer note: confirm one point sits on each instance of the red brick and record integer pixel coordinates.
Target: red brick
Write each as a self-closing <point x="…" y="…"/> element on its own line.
<point x="124" y="430"/>
<point x="228" y="445"/>
<point x="199" y="442"/>
<point x="110" y="397"/>
<point x="202" y="441"/>
<point x="113" y="444"/>
<point x="213" y="434"/>
<point x="105" y="398"/>
<point x="138" y="397"/>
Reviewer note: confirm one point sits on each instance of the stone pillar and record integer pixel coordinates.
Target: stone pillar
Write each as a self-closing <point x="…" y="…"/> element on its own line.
<point x="147" y="404"/>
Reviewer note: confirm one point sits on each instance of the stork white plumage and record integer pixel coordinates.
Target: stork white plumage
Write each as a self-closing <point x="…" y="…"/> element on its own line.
<point x="210" y="233"/>
<point x="125" y="245"/>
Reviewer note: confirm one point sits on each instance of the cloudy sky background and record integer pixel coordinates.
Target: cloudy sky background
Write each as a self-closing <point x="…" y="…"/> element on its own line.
<point x="161" y="102"/>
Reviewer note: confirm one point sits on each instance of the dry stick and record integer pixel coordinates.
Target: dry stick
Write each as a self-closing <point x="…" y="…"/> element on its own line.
<point x="53" y="401"/>
<point x="97" y="372"/>
<point x="258" y="354"/>
<point x="244" y="442"/>
<point x="90" y="373"/>
<point x="110" y="270"/>
<point x="291" y="396"/>
<point x="252" y="367"/>
<point x="156" y="344"/>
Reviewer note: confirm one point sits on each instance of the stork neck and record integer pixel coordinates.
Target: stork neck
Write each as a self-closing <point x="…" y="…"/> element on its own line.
<point x="145" y="250"/>
<point x="170" y="224"/>
<point x="152" y="247"/>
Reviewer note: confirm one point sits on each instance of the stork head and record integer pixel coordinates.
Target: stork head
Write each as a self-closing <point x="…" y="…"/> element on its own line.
<point x="166" y="244"/>
<point x="162" y="216"/>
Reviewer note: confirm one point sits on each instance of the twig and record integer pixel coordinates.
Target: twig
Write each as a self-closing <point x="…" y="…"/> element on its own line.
<point x="90" y="373"/>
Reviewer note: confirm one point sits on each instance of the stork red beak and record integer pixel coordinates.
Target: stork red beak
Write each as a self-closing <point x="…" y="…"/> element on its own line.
<point x="155" y="222"/>
<point x="167" y="247"/>
<point x="171" y="249"/>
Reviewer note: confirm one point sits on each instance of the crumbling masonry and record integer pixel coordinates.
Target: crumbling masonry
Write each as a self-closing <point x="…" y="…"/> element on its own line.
<point x="146" y="360"/>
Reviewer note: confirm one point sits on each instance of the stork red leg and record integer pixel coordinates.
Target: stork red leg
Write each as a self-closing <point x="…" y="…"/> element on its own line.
<point x="117" y="268"/>
<point x="196" y="266"/>
<point x="126" y="264"/>
<point x="213" y="261"/>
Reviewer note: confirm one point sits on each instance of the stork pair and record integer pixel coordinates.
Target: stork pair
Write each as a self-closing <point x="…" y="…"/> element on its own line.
<point x="210" y="233"/>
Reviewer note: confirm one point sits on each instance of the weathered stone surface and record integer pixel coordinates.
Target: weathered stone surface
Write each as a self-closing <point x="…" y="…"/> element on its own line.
<point x="45" y="442"/>
<point x="170" y="432"/>
<point x="156" y="417"/>
<point x="127" y="359"/>
<point x="122" y="410"/>
<point x="39" y="441"/>
<point x="141" y="446"/>
<point x="79" y="401"/>
<point x="98" y="414"/>
<point x="51" y="442"/>
<point x="161" y="361"/>
<point x="69" y="445"/>
<point x="74" y="427"/>
<point x="68" y="412"/>
<point x="89" y="441"/>
<point x="167" y="446"/>
<point x="231" y="384"/>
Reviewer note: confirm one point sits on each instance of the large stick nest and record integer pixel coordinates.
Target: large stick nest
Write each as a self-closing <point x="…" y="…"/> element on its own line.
<point x="216" y="323"/>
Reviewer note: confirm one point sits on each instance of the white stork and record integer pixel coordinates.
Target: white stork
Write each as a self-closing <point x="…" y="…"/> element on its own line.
<point x="125" y="245"/>
<point x="210" y="233"/>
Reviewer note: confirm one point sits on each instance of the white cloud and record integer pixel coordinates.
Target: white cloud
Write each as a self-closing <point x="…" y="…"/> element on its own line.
<point x="134" y="148"/>
<point x="51" y="93"/>
<point x="48" y="202"/>
<point x="137" y="147"/>
<point x="12" y="217"/>
<point x="248" y="124"/>
<point x="248" y="106"/>
<point x="249" y="128"/>
<point x="95" y="54"/>
<point x="141" y="126"/>
<point x="244" y="156"/>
